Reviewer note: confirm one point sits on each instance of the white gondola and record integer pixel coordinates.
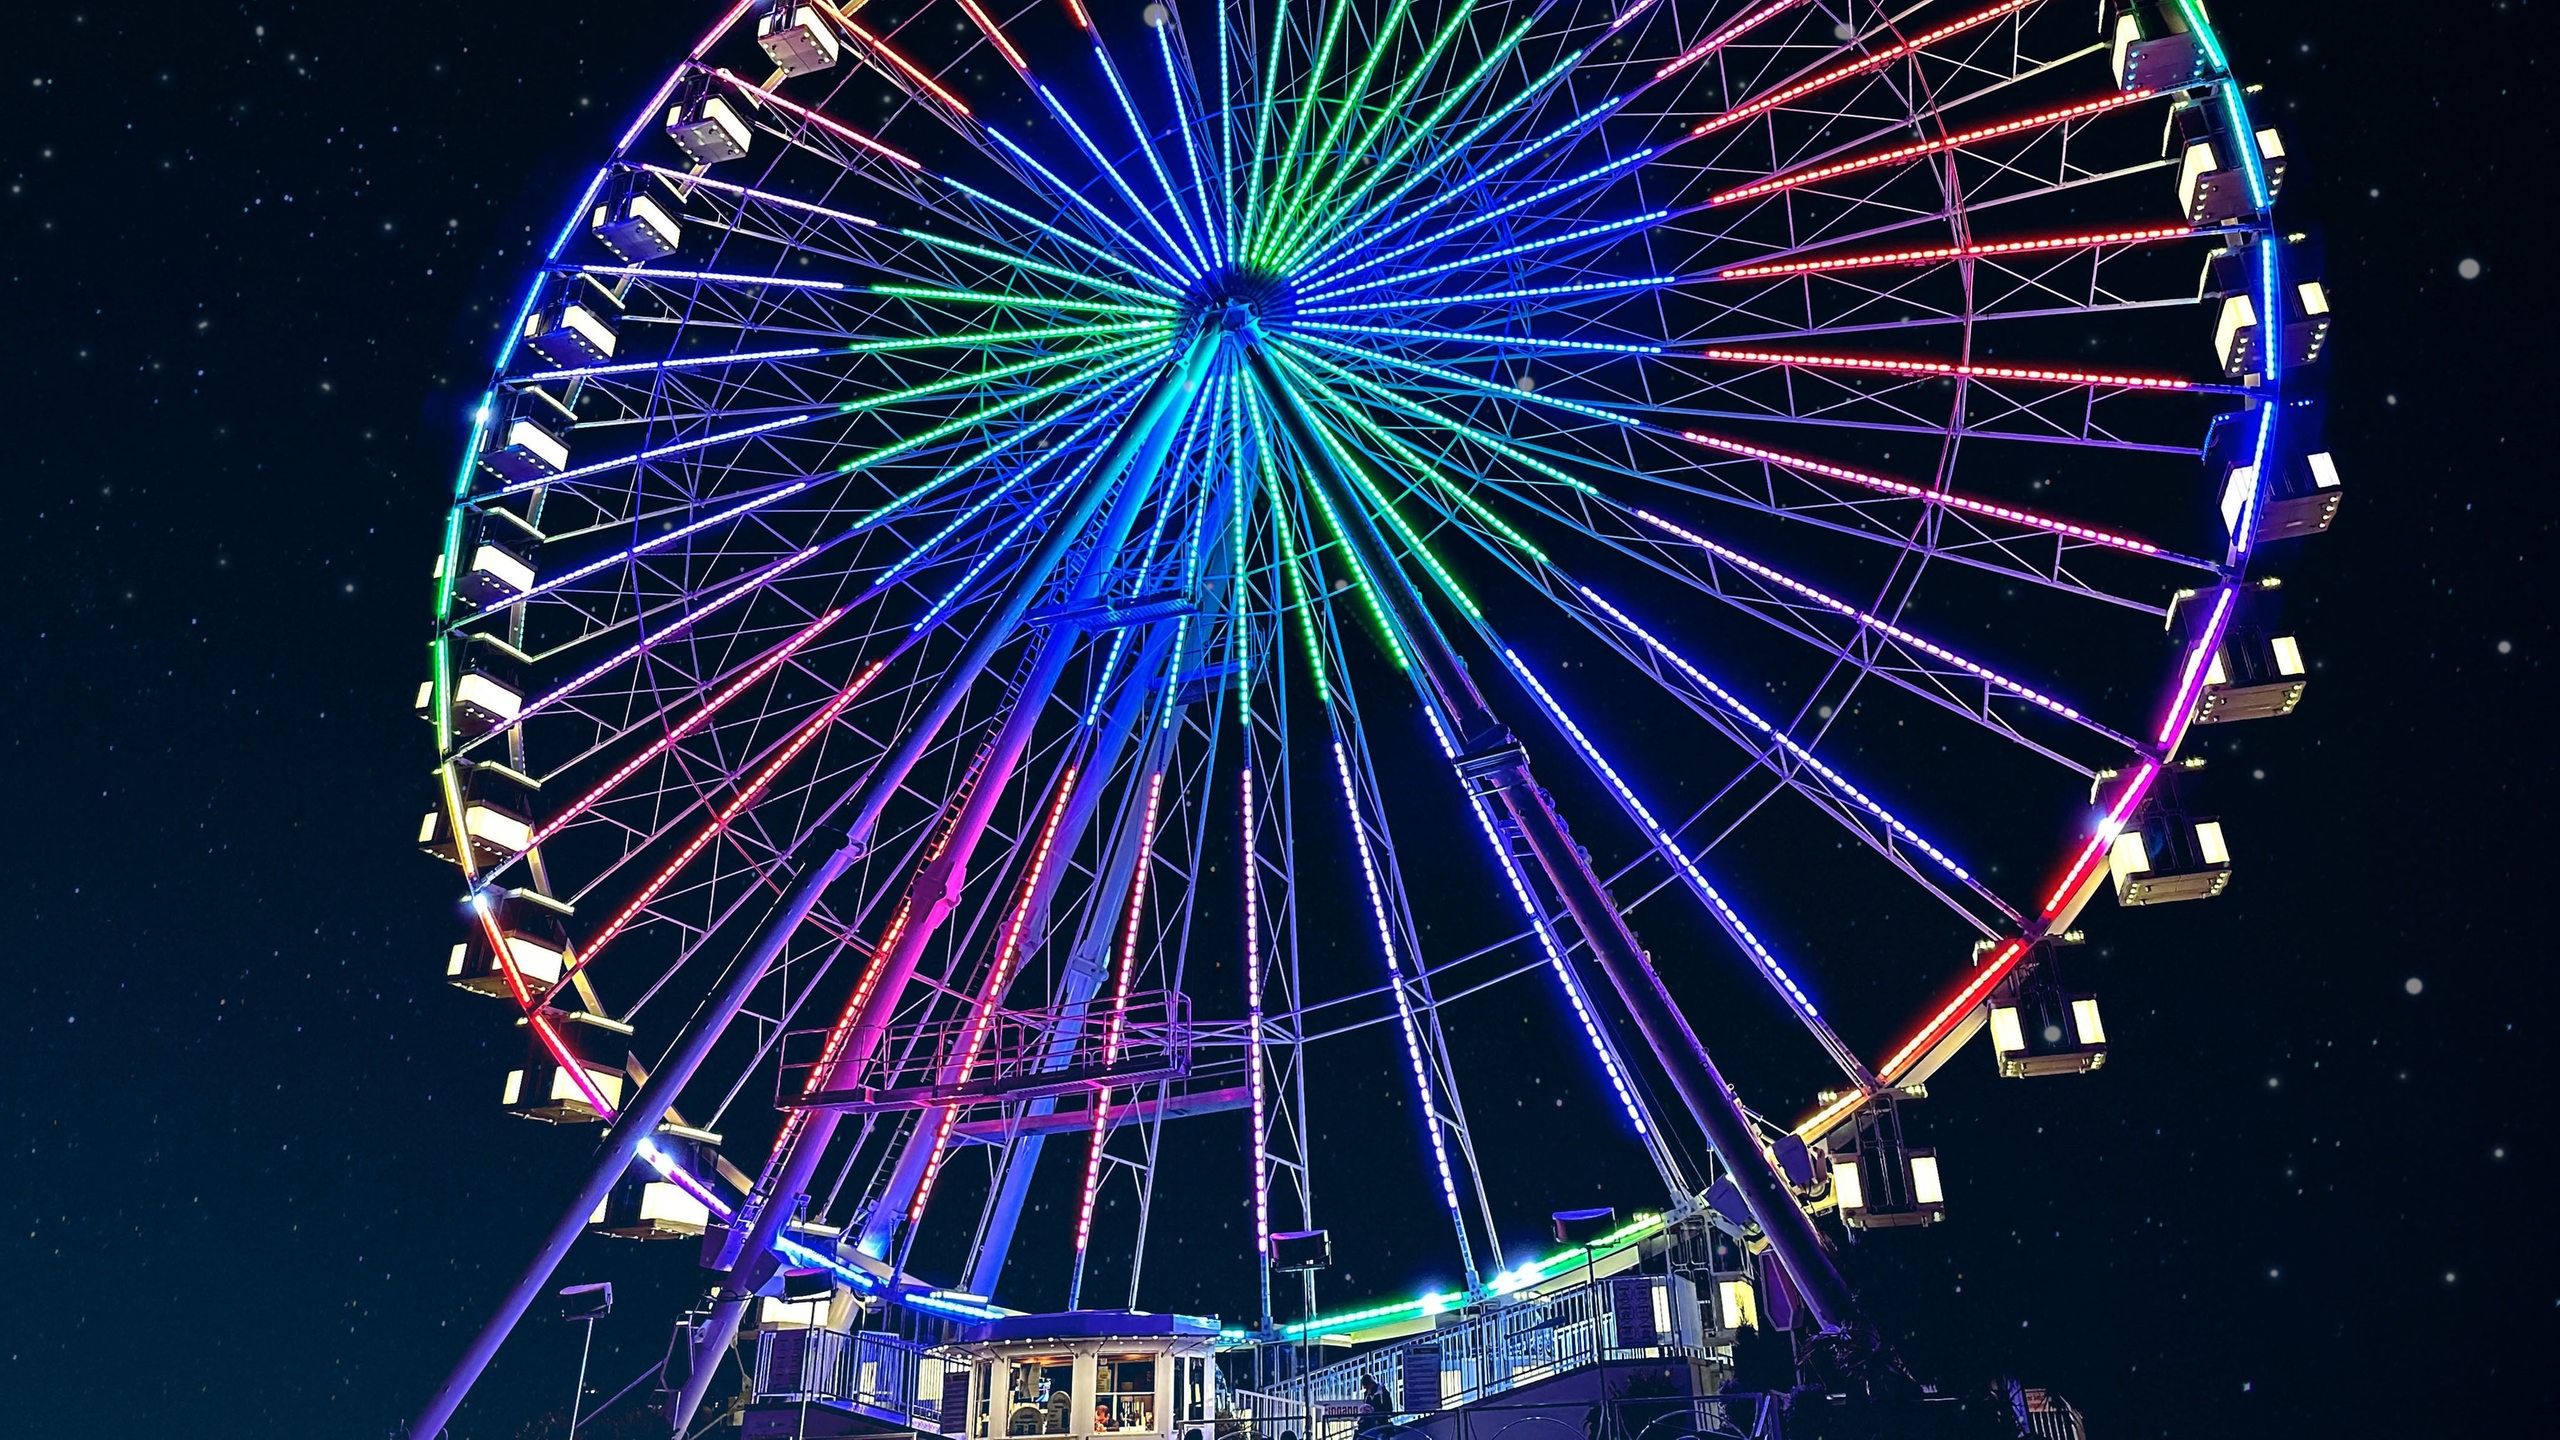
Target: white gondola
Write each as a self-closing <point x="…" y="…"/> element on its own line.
<point x="2306" y="321"/>
<point x="647" y="1206"/>
<point x="524" y="449"/>
<point x="639" y="227"/>
<point x="548" y="1091"/>
<point x="798" y="39"/>
<point x="1883" y="1187"/>
<point x="492" y="575"/>
<point x="2155" y="50"/>
<point x="2174" y="858"/>
<point x="578" y="333"/>
<point x="2302" y="501"/>
<point x="709" y="130"/>
<point x="2254" y="675"/>
<point x="495" y="804"/>
<point x="537" y="947"/>
<point x="2213" y="187"/>
<point x="2039" y="1026"/>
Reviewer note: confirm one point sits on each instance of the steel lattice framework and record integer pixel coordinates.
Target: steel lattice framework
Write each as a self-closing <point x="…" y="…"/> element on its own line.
<point x="967" y="489"/>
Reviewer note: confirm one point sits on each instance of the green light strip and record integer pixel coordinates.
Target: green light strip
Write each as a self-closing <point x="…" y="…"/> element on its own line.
<point x="1486" y="439"/>
<point x="1376" y="129"/>
<point x="864" y="462"/>
<point x="1432" y="121"/>
<point x="1297" y="217"/>
<point x="1437" y="1302"/>
<point x="1026" y="302"/>
<point x="979" y="377"/>
<point x="1006" y="337"/>
<point x="1043" y="267"/>
<point x="1307" y="103"/>
<point x="1422" y="463"/>
<point x="1359" y="572"/>
<point x="1377" y="497"/>
<point x="1288" y="547"/>
<point x="1262" y="122"/>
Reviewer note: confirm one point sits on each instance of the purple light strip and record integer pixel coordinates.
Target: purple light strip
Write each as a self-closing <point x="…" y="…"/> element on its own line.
<point x="1838" y="782"/>
<point x="1726" y="916"/>
<point x="644" y="547"/>
<point x="1395" y="982"/>
<point x="1980" y="672"/>
<point x="687" y="363"/>
<point x="1545" y="933"/>
<point x="748" y="192"/>
<point x="675" y="447"/>
<point x="715" y="277"/>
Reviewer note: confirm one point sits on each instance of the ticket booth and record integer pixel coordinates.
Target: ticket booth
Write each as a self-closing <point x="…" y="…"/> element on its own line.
<point x="1118" y="1373"/>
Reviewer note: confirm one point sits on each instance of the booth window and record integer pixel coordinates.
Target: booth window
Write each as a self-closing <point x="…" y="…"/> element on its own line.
<point x="1124" y="1396"/>
<point x="1040" y="1399"/>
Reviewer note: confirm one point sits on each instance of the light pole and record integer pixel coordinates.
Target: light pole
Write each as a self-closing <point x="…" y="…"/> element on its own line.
<point x="589" y="1303"/>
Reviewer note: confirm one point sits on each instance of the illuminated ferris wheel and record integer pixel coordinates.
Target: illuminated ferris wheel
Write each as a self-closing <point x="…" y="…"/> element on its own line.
<point x="996" y="524"/>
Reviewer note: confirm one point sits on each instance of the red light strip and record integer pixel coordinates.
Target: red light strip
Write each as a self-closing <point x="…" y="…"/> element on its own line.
<point x="1960" y="252"/>
<point x="690" y="724"/>
<point x="1886" y="56"/>
<point x="905" y="65"/>
<point x="1076" y="12"/>
<point x="992" y="993"/>
<point x="808" y="734"/>
<point x="1901" y="153"/>
<point x="1898" y="366"/>
<point x="2002" y="961"/>
<point x="1119" y="1010"/>
<point x="1012" y="56"/>
<point x="1715" y="42"/>
<point x="822" y="121"/>
<point x="1917" y="492"/>
<point x="542" y="1029"/>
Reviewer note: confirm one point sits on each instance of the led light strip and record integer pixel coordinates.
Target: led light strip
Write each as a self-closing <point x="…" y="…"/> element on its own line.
<point x="1927" y="254"/>
<point x="1723" y="37"/>
<point x="807" y="734"/>
<point x="1119" y="1015"/>
<point x="823" y="121"/>
<point x="687" y="726"/>
<point x="658" y="452"/>
<point x="716" y="277"/>
<point x="1546" y="933"/>
<point x="687" y="363"/>
<point x="1904" y="366"/>
<point x="1905" y="488"/>
<point x="1837" y="781"/>
<point x="1885" y="56"/>
<point x="991" y="995"/>
<point x="1253" y="1023"/>
<point x="1901" y="153"/>
<point x="1873" y="622"/>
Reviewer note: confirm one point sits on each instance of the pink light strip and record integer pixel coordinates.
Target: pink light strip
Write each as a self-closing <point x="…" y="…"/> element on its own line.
<point x="749" y="192"/>
<point x="905" y="65"/>
<point x="691" y="723"/>
<point x="1893" y="365"/>
<point x="1908" y="490"/>
<point x="1928" y="254"/>
<point x="808" y="733"/>
<point x="1722" y="38"/>
<point x="1902" y="153"/>
<point x="1885" y="56"/>
<point x="823" y="121"/>
<point x="1873" y="622"/>
<point x="1012" y="56"/>
<point x="991" y="995"/>
<point x="1119" y="1015"/>
<point x="1253" y="1023"/>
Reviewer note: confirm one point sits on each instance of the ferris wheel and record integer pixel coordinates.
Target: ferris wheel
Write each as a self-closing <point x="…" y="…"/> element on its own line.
<point x="994" y="524"/>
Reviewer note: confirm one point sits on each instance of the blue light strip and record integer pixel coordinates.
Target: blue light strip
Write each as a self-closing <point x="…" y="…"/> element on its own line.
<point x="1112" y="173"/>
<point x="1191" y="151"/>
<point x="1587" y="232"/>
<point x="1343" y="269"/>
<point x="1538" y="926"/>
<point x="1725" y="915"/>
<point x="690" y="362"/>
<point x="1490" y="297"/>
<point x="1120" y="262"/>
<point x="713" y="277"/>
<point x="1474" y="337"/>
<point x="1078" y="196"/>
<point x="674" y="447"/>
<point x="1146" y="147"/>
<point x="1833" y="778"/>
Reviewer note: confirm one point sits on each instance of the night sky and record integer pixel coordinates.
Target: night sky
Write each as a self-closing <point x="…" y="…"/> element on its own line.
<point x="255" y="258"/>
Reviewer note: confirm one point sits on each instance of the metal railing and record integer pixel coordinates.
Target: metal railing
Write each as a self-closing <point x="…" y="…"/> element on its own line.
<point x="885" y="1376"/>
<point x="1521" y="1343"/>
<point x="1018" y="1055"/>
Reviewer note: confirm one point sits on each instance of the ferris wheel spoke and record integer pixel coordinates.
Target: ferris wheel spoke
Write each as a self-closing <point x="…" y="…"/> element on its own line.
<point x="1314" y="226"/>
<point x="1166" y="275"/>
<point x="1931" y="672"/>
